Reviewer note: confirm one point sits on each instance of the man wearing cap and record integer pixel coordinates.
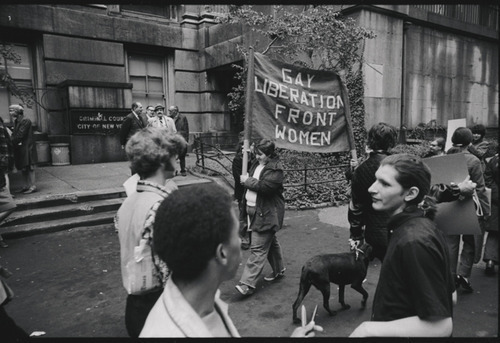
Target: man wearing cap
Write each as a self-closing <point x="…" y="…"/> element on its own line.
<point x="162" y="120"/>
<point x="132" y="123"/>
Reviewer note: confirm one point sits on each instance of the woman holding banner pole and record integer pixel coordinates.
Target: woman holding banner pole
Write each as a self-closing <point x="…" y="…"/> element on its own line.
<point x="264" y="207"/>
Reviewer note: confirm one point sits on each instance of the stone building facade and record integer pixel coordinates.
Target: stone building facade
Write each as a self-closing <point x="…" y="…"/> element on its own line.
<point x="86" y="64"/>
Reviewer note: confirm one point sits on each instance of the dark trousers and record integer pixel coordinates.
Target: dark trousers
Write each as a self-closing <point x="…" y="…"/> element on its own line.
<point x="378" y="250"/>
<point x="182" y="161"/>
<point x="9" y="329"/>
<point x="137" y="310"/>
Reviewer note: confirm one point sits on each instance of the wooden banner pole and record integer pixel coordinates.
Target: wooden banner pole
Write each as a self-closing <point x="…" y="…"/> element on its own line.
<point x="248" y="110"/>
<point x="350" y="132"/>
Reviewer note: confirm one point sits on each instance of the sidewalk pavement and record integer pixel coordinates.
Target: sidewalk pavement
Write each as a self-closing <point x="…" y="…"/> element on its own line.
<point x="53" y="180"/>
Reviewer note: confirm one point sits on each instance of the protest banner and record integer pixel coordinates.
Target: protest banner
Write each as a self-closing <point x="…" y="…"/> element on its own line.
<point x="300" y="109"/>
<point x="456" y="217"/>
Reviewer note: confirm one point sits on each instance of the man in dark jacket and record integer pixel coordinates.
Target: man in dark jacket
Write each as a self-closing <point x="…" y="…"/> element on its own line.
<point x="7" y="204"/>
<point x="182" y="127"/>
<point x="24" y="147"/>
<point x="366" y="223"/>
<point x="132" y="123"/>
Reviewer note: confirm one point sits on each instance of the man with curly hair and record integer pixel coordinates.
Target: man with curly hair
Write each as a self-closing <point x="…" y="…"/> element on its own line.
<point x="201" y="251"/>
<point x="152" y="153"/>
<point x="480" y="147"/>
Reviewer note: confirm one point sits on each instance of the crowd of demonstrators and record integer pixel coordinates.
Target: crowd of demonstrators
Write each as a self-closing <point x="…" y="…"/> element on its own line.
<point x="392" y="208"/>
<point x="264" y="207"/>
<point x="472" y="244"/>
<point x="415" y="291"/>
<point x="491" y="246"/>
<point x="24" y="147"/>
<point x="182" y="128"/>
<point x="365" y="222"/>
<point x="152" y="153"/>
<point x="201" y="251"/>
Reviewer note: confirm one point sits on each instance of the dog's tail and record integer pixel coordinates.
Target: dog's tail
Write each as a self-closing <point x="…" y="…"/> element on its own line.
<point x="303" y="290"/>
<point x="303" y="274"/>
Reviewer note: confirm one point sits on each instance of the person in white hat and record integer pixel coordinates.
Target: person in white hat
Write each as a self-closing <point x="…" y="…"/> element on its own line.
<point x="162" y="120"/>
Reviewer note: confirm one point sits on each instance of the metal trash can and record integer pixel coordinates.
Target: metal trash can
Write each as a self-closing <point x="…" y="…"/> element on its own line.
<point x="43" y="152"/>
<point x="60" y="154"/>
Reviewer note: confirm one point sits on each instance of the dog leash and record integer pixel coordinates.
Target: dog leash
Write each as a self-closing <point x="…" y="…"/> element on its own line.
<point x="354" y="247"/>
<point x="357" y="251"/>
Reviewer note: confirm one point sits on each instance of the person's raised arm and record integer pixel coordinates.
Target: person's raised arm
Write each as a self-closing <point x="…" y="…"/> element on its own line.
<point x="406" y="327"/>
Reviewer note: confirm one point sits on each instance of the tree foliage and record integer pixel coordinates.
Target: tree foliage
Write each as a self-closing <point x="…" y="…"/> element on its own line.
<point x="318" y="37"/>
<point x="24" y="94"/>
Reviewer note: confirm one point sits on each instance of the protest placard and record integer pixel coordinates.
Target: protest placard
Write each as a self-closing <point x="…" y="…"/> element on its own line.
<point x="453" y="124"/>
<point x="456" y="217"/>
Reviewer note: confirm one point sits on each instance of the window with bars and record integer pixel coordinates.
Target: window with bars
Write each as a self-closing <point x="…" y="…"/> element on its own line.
<point x="22" y="74"/>
<point x="485" y="15"/>
<point x="166" y="11"/>
<point x="147" y="73"/>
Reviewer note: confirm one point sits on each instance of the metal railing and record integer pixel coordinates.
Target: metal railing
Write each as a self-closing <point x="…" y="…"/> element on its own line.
<point x="308" y="169"/>
<point x="212" y="152"/>
<point x="485" y="15"/>
<point x="217" y="9"/>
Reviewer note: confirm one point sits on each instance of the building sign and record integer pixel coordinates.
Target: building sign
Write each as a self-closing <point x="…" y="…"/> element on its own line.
<point x="97" y="121"/>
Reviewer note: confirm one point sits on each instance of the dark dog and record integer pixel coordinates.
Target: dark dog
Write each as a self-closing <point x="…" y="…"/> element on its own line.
<point x="341" y="269"/>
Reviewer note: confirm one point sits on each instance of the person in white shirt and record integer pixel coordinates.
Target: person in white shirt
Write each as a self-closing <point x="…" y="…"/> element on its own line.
<point x="196" y="235"/>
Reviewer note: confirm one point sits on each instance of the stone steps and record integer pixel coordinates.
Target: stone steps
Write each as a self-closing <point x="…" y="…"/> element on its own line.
<point x="56" y="212"/>
<point x="36" y="215"/>
<point x="29" y="229"/>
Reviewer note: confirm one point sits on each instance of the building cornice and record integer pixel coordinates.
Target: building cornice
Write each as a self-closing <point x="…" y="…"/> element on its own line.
<point x="428" y="19"/>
